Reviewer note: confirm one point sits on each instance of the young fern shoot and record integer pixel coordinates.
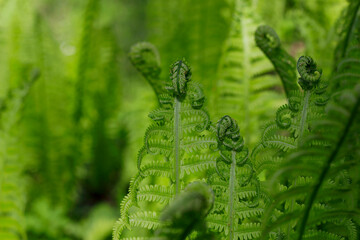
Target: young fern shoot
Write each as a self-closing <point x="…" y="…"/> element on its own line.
<point x="237" y="207"/>
<point x="176" y="145"/>
<point x="145" y="57"/>
<point x="285" y="65"/>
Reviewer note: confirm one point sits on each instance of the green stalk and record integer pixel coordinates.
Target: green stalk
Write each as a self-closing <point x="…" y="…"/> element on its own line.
<point x="301" y="133"/>
<point x="177" y="131"/>
<point x="231" y="195"/>
<point x="304" y="115"/>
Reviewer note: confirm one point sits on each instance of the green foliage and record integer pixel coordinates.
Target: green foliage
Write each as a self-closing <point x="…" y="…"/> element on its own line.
<point x="145" y="57"/>
<point x="176" y="146"/>
<point x="67" y="164"/>
<point x="268" y="41"/>
<point x="187" y="212"/>
<point x="245" y="89"/>
<point x="237" y="190"/>
<point x="12" y="193"/>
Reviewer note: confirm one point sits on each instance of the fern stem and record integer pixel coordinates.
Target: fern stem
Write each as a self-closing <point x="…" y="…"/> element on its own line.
<point x="326" y="168"/>
<point x="231" y="195"/>
<point x="177" y="109"/>
<point x="304" y="115"/>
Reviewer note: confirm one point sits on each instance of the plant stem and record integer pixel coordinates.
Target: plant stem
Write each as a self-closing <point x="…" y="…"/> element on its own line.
<point x="231" y="195"/>
<point x="177" y="129"/>
<point x="303" y="115"/>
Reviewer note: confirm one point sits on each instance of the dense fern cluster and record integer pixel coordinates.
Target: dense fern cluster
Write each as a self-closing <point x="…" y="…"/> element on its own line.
<point x="258" y="138"/>
<point x="300" y="181"/>
<point x="176" y="146"/>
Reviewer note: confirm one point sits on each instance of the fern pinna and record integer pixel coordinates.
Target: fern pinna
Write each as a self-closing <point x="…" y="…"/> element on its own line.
<point x="176" y="145"/>
<point x="237" y="191"/>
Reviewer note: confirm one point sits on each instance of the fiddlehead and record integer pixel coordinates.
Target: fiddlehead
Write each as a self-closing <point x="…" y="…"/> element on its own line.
<point x="268" y="41"/>
<point x="228" y="134"/>
<point x="266" y="38"/>
<point x="309" y="74"/>
<point x="145" y="57"/>
<point x="180" y="75"/>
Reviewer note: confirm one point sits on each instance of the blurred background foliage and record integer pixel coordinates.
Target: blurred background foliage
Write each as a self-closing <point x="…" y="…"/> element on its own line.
<point x="83" y="120"/>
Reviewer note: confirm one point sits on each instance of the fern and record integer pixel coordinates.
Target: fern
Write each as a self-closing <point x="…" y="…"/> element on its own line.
<point x="246" y="89"/>
<point x="90" y="15"/>
<point x="268" y="41"/>
<point x="187" y="212"/>
<point x="237" y="191"/>
<point x="12" y="191"/>
<point x="293" y="120"/>
<point x="145" y="57"/>
<point x="322" y="198"/>
<point x="171" y="142"/>
<point x="347" y="51"/>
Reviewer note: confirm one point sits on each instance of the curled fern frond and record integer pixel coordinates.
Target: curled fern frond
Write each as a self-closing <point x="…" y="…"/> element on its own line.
<point x="309" y="73"/>
<point x="266" y="38"/>
<point x="228" y="134"/>
<point x="145" y="57"/>
<point x="268" y="41"/>
<point x="180" y="75"/>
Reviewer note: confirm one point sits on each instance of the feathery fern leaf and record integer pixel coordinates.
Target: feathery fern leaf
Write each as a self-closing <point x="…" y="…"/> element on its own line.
<point x="328" y="151"/>
<point x="246" y="89"/>
<point x="176" y="145"/>
<point x="237" y="192"/>
<point x="12" y="191"/>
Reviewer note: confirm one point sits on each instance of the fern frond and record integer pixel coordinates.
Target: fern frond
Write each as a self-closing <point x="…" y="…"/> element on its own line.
<point x="327" y="153"/>
<point x="237" y="191"/>
<point x="145" y="57"/>
<point x="176" y="147"/>
<point x="246" y="87"/>
<point x="12" y="201"/>
<point x="268" y="41"/>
